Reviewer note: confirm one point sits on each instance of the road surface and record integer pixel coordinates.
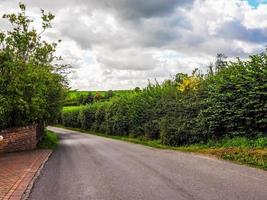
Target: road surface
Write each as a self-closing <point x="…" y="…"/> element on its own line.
<point x="87" y="167"/>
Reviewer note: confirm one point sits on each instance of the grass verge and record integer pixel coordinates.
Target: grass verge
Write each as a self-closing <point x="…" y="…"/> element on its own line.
<point x="49" y="140"/>
<point x="239" y="150"/>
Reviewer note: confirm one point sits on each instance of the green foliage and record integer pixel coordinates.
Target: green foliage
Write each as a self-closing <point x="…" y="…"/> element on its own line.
<point x="69" y="116"/>
<point x="49" y="140"/>
<point x="87" y="117"/>
<point x="100" y="124"/>
<point x="76" y="98"/>
<point x="259" y="142"/>
<point x="31" y="87"/>
<point x="116" y="117"/>
<point x="237" y="99"/>
<point x="229" y="102"/>
<point x="109" y="94"/>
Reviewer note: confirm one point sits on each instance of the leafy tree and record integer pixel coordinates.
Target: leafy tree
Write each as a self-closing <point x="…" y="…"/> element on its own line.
<point x="219" y="64"/>
<point x="98" y="97"/>
<point x="86" y="99"/>
<point x="81" y="99"/>
<point x="179" y="77"/>
<point x="220" y="61"/>
<point x="89" y="98"/>
<point x="109" y="94"/>
<point x="31" y="80"/>
<point x="137" y="89"/>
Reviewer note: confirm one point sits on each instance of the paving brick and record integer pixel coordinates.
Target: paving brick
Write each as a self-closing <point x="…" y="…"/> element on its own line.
<point x="18" y="170"/>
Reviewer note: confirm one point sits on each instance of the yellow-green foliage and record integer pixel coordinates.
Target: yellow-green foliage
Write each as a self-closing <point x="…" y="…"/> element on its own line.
<point x="188" y="84"/>
<point x="229" y="102"/>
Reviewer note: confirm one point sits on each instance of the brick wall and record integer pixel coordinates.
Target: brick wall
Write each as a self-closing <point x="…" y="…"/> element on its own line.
<point x="18" y="139"/>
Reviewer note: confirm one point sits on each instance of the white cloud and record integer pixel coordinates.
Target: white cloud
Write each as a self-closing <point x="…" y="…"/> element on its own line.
<point x="256" y="18"/>
<point x="120" y="44"/>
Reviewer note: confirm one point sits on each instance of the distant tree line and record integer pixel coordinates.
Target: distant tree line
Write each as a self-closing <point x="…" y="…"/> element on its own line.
<point x="77" y="98"/>
<point x="91" y="98"/>
<point x="230" y="100"/>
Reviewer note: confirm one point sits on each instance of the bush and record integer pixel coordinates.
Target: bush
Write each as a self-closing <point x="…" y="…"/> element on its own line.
<point x="87" y="117"/>
<point x="229" y="102"/>
<point x="100" y="116"/>
<point x="116" y="117"/>
<point x="237" y="99"/>
<point x="69" y="116"/>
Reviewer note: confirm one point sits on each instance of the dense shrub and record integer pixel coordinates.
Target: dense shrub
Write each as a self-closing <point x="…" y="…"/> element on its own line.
<point x="179" y="125"/>
<point x="86" y="117"/>
<point x="237" y="99"/>
<point x="229" y="101"/>
<point x="70" y="116"/>
<point x="99" y="124"/>
<point x="117" y="122"/>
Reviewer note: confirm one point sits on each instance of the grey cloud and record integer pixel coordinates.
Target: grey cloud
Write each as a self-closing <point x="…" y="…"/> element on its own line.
<point x="125" y="49"/>
<point x="151" y="32"/>
<point x="130" y="9"/>
<point x="135" y="9"/>
<point x="236" y="30"/>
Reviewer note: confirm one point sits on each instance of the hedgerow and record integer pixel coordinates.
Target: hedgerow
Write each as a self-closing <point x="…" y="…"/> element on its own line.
<point x="229" y="101"/>
<point x="70" y="116"/>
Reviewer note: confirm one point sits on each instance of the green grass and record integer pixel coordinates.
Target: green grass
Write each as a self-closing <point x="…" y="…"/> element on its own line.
<point x="240" y="142"/>
<point x="49" y="140"/>
<point x="72" y="108"/>
<point x="252" y="152"/>
<point x="73" y="96"/>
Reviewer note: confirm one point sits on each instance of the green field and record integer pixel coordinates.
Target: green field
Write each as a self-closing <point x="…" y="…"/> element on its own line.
<point x="73" y="96"/>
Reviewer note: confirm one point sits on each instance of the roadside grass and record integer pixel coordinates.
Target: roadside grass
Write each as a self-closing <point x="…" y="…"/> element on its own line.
<point x="49" y="140"/>
<point x="252" y="152"/>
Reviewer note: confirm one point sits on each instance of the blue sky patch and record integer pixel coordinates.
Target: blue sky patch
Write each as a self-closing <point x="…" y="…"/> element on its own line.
<point x="255" y="3"/>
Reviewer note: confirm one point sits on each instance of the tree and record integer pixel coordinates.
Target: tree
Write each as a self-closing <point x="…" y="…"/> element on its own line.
<point x="219" y="64"/>
<point x="32" y="82"/>
<point x="89" y="98"/>
<point x="98" y="97"/>
<point x="109" y="94"/>
<point x="137" y="89"/>
<point x="179" y="77"/>
<point x="220" y="61"/>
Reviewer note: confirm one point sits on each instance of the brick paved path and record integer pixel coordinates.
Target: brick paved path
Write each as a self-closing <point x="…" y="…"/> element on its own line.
<point x="17" y="171"/>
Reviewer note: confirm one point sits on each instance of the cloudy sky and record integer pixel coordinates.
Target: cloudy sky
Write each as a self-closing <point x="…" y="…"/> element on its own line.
<point x="120" y="44"/>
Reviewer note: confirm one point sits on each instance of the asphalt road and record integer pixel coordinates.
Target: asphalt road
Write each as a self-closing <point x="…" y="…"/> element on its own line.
<point x="90" y="167"/>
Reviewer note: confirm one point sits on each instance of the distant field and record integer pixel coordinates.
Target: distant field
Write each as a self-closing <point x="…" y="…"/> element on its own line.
<point x="73" y="97"/>
<point x="72" y="108"/>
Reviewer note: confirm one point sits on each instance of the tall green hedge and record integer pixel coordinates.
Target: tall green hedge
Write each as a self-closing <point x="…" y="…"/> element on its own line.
<point x="231" y="101"/>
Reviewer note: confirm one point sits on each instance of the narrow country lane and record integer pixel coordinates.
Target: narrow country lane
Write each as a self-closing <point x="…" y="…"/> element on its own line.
<point x="87" y="167"/>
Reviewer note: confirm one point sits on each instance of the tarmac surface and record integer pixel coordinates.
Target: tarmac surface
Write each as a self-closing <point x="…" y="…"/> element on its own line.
<point x="86" y="167"/>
